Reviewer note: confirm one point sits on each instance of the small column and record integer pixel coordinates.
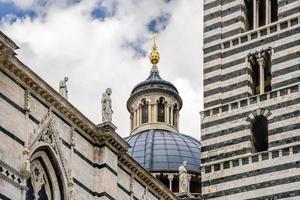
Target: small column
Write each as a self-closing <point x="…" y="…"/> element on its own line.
<point x="255" y="14"/>
<point x="177" y="120"/>
<point x="140" y="115"/>
<point x="268" y="12"/>
<point x="172" y="116"/>
<point x="131" y="121"/>
<point x="261" y="78"/>
<point x="167" y="113"/>
<point x="170" y="177"/>
<point x="26" y="152"/>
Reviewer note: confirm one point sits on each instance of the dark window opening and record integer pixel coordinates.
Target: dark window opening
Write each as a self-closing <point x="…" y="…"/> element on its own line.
<point x="164" y="179"/>
<point x="267" y="77"/>
<point x="195" y="185"/>
<point x="30" y="191"/>
<point x="255" y="79"/>
<point x="42" y="194"/>
<point x="175" y="112"/>
<point x="175" y="185"/>
<point x="170" y="111"/>
<point x="274" y="10"/>
<point x="161" y="111"/>
<point x="145" y="112"/>
<point x="249" y="14"/>
<point x="260" y="134"/>
<point x="262" y="12"/>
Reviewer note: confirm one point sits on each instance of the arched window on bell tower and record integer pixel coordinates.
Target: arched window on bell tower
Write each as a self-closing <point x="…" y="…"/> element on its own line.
<point x="145" y="112"/>
<point x="259" y="129"/>
<point x="261" y="75"/>
<point x="161" y="110"/>
<point x="260" y="13"/>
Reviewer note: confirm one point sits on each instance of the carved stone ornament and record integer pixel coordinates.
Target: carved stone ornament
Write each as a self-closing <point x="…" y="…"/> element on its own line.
<point x="131" y="184"/>
<point x="72" y="137"/>
<point x="27" y="101"/>
<point x="145" y="195"/>
<point x="46" y="133"/>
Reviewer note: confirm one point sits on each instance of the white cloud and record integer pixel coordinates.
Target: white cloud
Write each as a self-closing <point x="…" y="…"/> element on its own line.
<point x="68" y="41"/>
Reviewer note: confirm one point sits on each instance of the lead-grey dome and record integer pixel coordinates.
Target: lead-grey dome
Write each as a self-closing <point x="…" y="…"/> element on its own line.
<point x="154" y="81"/>
<point x="163" y="151"/>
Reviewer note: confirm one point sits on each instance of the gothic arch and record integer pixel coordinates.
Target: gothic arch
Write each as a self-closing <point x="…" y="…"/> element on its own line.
<point x="44" y="148"/>
<point x="46" y="180"/>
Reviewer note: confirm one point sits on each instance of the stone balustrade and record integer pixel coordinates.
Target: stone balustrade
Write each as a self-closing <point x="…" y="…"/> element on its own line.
<point x="261" y="32"/>
<point x="251" y="100"/>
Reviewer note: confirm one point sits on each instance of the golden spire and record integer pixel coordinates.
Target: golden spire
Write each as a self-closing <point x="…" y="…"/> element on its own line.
<point x="154" y="55"/>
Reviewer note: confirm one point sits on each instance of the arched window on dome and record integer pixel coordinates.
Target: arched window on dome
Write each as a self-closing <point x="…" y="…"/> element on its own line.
<point x="259" y="129"/>
<point x="161" y="110"/>
<point x="170" y="113"/>
<point x="175" y="115"/>
<point x="145" y="112"/>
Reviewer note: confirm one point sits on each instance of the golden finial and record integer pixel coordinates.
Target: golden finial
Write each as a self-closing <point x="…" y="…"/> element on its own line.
<point x="154" y="55"/>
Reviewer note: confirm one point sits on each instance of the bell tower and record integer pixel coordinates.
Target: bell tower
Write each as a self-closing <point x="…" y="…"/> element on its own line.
<point x="250" y="123"/>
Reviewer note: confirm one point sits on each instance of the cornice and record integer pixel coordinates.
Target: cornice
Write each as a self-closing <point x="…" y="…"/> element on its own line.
<point x="142" y="174"/>
<point x="8" y="42"/>
<point x="138" y="94"/>
<point x="39" y="88"/>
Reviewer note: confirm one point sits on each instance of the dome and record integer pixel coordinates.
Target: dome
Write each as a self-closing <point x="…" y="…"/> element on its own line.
<point x="154" y="81"/>
<point x="164" y="151"/>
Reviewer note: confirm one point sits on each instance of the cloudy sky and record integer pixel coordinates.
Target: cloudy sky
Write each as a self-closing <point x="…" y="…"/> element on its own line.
<point x="105" y="43"/>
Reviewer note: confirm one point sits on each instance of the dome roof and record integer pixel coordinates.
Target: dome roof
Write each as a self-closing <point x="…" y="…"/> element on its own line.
<point x="163" y="151"/>
<point x="154" y="81"/>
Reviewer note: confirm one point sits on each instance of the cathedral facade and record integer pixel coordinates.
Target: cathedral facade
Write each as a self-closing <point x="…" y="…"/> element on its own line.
<point x="50" y="150"/>
<point x="250" y="138"/>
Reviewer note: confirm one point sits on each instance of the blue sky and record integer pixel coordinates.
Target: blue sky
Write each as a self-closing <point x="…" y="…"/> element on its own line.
<point x="106" y="43"/>
<point x="10" y="9"/>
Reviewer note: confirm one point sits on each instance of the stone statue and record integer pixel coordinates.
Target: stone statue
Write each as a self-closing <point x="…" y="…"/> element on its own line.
<point x="63" y="90"/>
<point x="106" y="106"/>
<point x="183" y="179"/>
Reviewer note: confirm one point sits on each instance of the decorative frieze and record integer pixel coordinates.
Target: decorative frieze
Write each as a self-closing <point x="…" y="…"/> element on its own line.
<point x="12" y="175"/>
